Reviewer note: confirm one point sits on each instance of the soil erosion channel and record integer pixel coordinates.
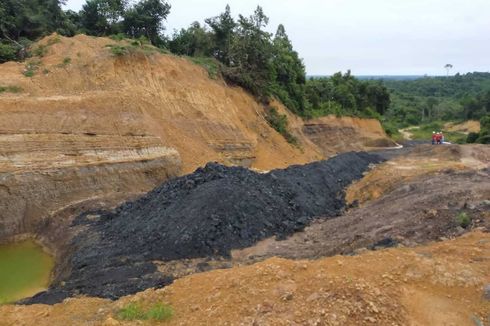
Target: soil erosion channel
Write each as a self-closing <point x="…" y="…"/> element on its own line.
<point x="24" y="270"/>
<point x="205" y="214"/>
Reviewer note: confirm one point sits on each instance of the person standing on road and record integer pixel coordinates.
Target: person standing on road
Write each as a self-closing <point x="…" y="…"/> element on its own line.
<point x="434" y="138"/>
<point x="442" y="138"/>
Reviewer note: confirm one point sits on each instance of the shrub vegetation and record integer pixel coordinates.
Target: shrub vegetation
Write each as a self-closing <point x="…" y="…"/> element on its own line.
<point x="135" y="311"/>
<point x="463" y="220"/>
<point x="280" y="123"/>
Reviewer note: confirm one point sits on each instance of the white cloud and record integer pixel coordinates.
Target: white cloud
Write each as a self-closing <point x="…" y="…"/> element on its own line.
<point x="369" y="37"/>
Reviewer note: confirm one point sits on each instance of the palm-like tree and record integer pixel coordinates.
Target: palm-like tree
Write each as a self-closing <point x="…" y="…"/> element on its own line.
<point x="448" y="68"/>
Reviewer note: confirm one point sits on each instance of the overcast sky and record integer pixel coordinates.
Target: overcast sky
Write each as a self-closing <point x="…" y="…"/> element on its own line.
<point x="370" y="37"/>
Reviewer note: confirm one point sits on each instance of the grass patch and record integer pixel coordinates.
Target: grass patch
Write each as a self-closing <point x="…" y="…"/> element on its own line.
<point x="210" y="64"/>
<point x="118" y="37"/>
<point x="127" y="46"/>
<point x="118" y="50"/>
<point x="54" y="40"/>
<point x="133" y="48"/>
<point x="66" y="61"/>
<point x="10" y="89"/>
<point x="40" y="51"/>
<point x="280" y="124"/>
<point x="463" y="220"/>
<point x="31" y="68"/>
<point x="134" y="311"/>
<point x="160" y="312"/>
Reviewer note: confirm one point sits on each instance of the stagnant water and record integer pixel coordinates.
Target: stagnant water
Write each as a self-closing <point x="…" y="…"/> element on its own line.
<point x="24" y="270"/>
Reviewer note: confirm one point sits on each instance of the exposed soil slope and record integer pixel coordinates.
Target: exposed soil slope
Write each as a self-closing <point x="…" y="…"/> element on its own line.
<point x="441" y="284"/>
<point x="334" y="135"/>
<point x="465" y="127"/>
<point x="89" y="126"/>
<point x="204" y="214"/>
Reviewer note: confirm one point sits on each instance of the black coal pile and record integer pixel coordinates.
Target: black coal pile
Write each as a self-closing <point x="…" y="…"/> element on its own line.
<point x="207" y="213"/>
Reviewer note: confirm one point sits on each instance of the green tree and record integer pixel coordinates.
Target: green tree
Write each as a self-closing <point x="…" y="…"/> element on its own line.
<point x="146" y="19"/>
<point x="343" y="94"/>
<point x="223" y="31"/>
<point x="193" y="41"/>
<point x="102" y="17"/>
<point x="289" y="73"/>
<point x="431" y="103"/>
<point x="251" y="54"/>
<point x="22" y="20"/>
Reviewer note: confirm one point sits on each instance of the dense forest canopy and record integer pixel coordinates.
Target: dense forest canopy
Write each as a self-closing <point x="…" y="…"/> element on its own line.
<point x="246" y="54"/>
<point x="460" y="97"/>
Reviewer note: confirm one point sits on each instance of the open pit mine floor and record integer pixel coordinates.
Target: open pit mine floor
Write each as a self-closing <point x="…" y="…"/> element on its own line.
<point x="355" y="240"/>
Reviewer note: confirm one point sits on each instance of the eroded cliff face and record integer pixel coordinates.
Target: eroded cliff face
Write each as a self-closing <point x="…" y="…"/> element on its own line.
<point x="340" y="134"/>
<point x="55" y="154"/>
<point x="89" y="125"/>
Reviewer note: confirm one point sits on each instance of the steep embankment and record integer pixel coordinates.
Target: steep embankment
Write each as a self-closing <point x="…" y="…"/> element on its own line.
<point x="91" y="126"/>
<point x="337" y="134"/>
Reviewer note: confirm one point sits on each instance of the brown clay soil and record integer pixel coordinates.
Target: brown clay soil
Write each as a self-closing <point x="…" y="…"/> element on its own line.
<point x="439" y="284"/>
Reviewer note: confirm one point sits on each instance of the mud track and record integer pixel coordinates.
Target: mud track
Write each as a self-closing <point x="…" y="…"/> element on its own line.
<point x="205" y="214"/>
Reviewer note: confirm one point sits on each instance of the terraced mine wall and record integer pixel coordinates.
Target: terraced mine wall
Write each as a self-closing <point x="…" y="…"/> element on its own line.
<point x="205" y="214"/>
<point x="52" y="159"/>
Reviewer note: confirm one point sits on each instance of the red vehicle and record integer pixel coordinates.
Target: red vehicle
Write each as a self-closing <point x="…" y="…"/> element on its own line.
<point x="439" y="138"/>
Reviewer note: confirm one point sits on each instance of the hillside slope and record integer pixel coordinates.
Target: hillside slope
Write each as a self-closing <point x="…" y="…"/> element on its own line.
<point x="89" y="125"/>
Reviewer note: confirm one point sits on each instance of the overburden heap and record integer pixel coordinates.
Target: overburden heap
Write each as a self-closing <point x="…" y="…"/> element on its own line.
<point x="204" y="214"/>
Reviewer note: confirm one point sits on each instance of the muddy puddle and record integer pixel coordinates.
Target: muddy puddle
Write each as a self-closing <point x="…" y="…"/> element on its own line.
<point x="24" y="270"/>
